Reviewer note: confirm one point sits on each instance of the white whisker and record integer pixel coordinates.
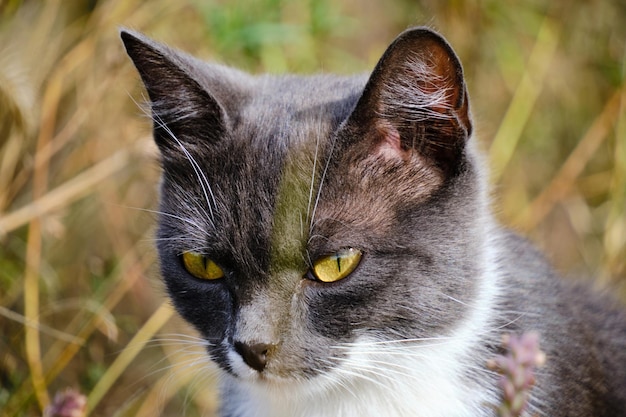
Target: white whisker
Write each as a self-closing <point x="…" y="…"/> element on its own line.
<point x="202" y="179"/>
<point x="361" y="376"/>
<point x="311" y="188"/>
<point x="321" y="184"/>
<point x="162" y="213"/>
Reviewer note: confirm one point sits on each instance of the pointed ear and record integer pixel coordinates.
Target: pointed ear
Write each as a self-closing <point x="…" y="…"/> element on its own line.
<point x="416" y="100"/>
<point x="182" y="108"/>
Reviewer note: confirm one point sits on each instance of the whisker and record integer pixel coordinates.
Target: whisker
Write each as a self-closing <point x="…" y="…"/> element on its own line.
<point x="202" y="179"/>
<point x="414" y="355"/>
<point x="204" y="183"/>
<point x="396" y="342"/>
<point x="321" y="185"/>
<point x="317" y="144"/>
<point x="360" y="376"/>
<point x="163" y="213"/>
<point x="455" y="300"/>
<point x="335" y="381"/>
<point x="427" y="339"/>
<point x="370" y="366"/>
<point x="193" y="359"/>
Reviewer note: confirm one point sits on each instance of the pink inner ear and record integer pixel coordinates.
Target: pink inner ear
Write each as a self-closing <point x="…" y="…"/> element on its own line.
<point x="389" y="145"/>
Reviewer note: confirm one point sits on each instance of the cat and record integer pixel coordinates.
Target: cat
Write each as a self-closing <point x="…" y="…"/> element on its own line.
<point x="330" y="237"/>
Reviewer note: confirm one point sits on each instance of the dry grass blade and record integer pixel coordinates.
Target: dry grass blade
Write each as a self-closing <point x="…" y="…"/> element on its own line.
<point x="147" y="332"/>
<point x="31" y="313"/>
<point x="77" y="187"/>
<point x="32" y="339"/>
<point x="74" y="152"/>
<point x="66" y="337"/>
<point x="566" y="177"/>
<point x="526" y="94"/>
<point x="59" y="354"/>
<point x="615" y="226"/>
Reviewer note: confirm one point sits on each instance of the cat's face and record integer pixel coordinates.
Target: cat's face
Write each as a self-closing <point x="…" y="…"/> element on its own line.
<point x="305" y="218"/>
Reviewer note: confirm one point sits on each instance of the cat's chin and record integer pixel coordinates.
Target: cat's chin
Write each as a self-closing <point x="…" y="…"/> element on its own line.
<point x="266" y="383"/>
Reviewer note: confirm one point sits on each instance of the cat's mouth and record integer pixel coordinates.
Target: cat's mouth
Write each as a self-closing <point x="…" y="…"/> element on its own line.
<point x="276" y="372"/>
<point x="274" y="384"/>
<point x="268" y="377"/>
<point x="270" y="373"/>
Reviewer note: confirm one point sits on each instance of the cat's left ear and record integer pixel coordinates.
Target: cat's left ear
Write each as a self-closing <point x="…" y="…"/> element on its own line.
<point x="189" y="98"/>
<point x="415" y="99"/>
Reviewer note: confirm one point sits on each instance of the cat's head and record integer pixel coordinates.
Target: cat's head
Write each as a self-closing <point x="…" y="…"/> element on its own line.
<point x="305" y="218"/>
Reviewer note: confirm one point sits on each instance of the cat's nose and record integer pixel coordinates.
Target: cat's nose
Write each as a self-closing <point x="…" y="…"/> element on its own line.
<point x="255" y="355"/>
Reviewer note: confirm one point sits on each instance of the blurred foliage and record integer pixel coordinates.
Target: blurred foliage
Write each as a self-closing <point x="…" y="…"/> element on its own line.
<point x="80" y="301"/>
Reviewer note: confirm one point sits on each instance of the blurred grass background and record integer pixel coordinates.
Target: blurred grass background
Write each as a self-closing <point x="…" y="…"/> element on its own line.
<point x="81" y="305"/>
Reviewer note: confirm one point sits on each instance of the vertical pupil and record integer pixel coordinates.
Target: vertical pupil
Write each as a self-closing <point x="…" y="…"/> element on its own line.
<point x="338" y="264"/>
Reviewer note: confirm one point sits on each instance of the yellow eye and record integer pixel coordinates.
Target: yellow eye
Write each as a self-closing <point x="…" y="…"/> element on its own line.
<point x="338" y="266"/>
<point x="201" y="267"/>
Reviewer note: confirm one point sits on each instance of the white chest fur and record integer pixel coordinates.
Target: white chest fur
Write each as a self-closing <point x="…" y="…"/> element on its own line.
<point x="376" y="380"/>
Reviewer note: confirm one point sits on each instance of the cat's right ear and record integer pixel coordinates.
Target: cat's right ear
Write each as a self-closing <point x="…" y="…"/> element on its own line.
<point x="415" y="101"/>
<point x="184" y="113"/>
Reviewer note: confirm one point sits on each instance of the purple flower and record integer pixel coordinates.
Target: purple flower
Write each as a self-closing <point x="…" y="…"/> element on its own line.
<point x="517" y="369"/>
<point x="68" y="403"/>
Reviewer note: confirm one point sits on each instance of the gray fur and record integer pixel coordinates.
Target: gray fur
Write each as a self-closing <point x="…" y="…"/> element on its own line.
<point x="266" y="174"/>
